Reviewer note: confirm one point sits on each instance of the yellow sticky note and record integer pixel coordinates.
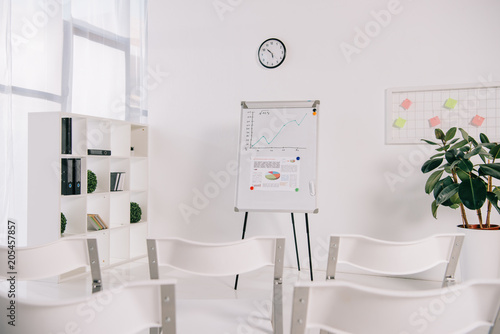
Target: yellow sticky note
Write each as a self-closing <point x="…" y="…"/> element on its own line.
<point x="450" y="103"/>
<point x="400" y="122"/>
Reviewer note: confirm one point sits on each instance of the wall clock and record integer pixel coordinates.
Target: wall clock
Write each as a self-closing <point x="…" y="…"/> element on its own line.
<point x="272" y="53"/>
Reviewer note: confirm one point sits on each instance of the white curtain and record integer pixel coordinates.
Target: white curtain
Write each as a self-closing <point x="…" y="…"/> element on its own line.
<point x="78" y="56"/>
<point x="6" y="165"/>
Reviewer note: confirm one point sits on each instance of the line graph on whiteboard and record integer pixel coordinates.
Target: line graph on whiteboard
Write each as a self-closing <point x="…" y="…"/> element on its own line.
<point x="282" y="129"/>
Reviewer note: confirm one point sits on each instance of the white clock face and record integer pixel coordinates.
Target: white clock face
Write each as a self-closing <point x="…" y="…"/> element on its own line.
<point x="272" y="53"/>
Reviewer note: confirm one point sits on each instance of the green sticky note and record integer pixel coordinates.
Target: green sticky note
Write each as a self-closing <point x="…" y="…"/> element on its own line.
<point x="450" y="103"/>
<point x="400" y="122"/>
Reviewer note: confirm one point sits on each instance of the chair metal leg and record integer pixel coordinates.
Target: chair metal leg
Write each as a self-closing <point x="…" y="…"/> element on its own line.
<point x="168" y="309"/>
<point x="449" y="275"/>
<point x="95" y="266"/>
<point x="277" y="316"/>
<point x="153" y="259"/>
<point x="333" y="255"/>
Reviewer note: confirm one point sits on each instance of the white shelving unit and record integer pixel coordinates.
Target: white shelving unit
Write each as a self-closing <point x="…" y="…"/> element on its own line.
<point x="122" y="241"/>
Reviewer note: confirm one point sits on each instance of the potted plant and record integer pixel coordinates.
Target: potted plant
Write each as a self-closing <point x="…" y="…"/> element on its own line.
<point x="463" y="177"/>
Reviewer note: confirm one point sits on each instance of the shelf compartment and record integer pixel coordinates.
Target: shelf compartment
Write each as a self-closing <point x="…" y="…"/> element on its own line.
<point x="98" y="134"/>
<point x="119" y="209"/>
<point x="141" y="198"/>
<point x="103" y="245"/>
<point x="139" y="174"/>
<point x="139" y="141"/>
<point x="100" y="166"/>
<point x="123" y="166"/>
<point x="120" y="140"/>
<point x="119" y="244"/>
<point x="138" y="235"/>
<point x="74" y="209"/>
<point x="99" y="204"/>
<point x="79" y="136"/>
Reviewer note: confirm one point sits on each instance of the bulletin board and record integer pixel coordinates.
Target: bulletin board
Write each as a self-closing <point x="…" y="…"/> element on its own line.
<point x="277" y="156"/>
<point x="413" y="113"/>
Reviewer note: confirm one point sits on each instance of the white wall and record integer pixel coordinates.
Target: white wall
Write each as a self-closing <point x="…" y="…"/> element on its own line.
<point x="207" y="64"/>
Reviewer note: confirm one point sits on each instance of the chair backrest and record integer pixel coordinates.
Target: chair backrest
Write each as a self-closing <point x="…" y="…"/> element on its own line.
<point x="345" y="307"/>
<point x="223" y="259"/>
<point x="395" y="258"/>
<point x="53" y="259"/>
<point x="126" y="309"/>
<point x="216" y="259"/>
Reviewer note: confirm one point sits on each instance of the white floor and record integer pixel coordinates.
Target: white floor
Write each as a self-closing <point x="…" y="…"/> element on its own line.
<point x="211" y="305"/>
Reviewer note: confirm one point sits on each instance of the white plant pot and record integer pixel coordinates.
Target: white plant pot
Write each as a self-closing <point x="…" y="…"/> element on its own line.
<point x="480" y="255"/>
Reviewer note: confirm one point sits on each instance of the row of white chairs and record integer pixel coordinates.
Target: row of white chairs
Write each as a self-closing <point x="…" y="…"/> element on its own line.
<point x="333" y="306"/>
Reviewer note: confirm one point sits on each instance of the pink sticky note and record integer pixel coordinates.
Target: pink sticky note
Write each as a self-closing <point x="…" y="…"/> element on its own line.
<point x="477" y="120"/>
<point x="406" y="104"/>
<point x="434" y="121"/>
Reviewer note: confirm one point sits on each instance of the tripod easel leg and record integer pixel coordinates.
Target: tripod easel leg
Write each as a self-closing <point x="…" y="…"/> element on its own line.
<point x="309" y="247"/>
<point x="242" y="237"/>
<point x="295" y="239"/>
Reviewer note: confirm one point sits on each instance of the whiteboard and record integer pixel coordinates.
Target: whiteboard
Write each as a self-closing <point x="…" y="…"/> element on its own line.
<point x="277" y="157"/>
<point x="413" y="113"/>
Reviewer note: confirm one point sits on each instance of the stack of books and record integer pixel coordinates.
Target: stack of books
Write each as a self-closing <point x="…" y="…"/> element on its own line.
<point x="95" y="222"/>
<point x="117" y="179"/>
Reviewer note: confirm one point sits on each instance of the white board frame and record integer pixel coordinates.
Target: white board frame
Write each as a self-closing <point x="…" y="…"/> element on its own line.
<point x="305" y="199"/>
<point x="475" y="95"/>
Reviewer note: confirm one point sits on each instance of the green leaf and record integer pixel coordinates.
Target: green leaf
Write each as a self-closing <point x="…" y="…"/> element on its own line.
<point x="489" y="145"/>
<point x="495" y="152"/>
<point x="485" y="157"/>
<point x="451" y="155"/>
<point x="437" y="155"/>
<point x="490" y="169"/>
<point x="447" y="193"/>
<point x="443" y="148"/>
<point x="473" y="152"/>
<point x="450" y="134"/>
<point x="439" y="134"/>
<point x="472" y="193"/>
<point x="483" y="138"/>
<point x="465" y="135"/>
<point x="460" y="144"/>
<point x="432" y="180"/>
<point x="455" y="200"/>
<point x="465" y="165"/>
<point x="429" y="142"/>
<point x="493" y="198"/>
<point x="431" y="165"/>
<point x="434" y="208"/>
<point x="473" y="141"/>
<point x="462" y="175"/>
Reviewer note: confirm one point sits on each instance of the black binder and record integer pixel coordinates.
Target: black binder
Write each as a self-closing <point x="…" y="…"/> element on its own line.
<point x="66" y="135"/>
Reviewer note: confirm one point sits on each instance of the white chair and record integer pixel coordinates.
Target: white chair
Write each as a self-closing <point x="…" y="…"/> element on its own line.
<point x="391" y="258"/>
<point x="127" y="309"/>
<point x="345" y="307"/>
<point x="223" y="259"/>
<point x="53" y="259"/>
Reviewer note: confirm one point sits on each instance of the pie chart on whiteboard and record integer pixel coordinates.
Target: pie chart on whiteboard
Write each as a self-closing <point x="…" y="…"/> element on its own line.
<point x="273" y="176"/>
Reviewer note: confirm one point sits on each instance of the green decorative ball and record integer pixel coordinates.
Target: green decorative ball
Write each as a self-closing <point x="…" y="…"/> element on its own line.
<point x="135" y="212"/>
<point x="63" y="223"/>
<point x="91" y="181"/>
